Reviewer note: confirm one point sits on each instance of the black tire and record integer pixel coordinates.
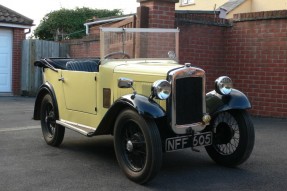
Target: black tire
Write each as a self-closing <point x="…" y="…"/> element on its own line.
<point x="233" y="138"/>
<point x="138" y="146"/>
<point x="52" y="133"/>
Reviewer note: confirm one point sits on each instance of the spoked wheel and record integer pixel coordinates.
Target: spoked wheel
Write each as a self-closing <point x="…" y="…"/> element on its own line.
<point x="53" y="133"/>
<point x="134" y="146"/>
<point x="233" y="138"/>
<point x="138" y="146"/>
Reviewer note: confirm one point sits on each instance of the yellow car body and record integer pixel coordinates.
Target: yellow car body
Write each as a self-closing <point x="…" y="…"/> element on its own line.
<point x="80" y="95"/>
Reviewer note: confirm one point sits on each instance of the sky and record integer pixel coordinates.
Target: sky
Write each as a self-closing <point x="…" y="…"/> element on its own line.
<point x="37" y="9"/>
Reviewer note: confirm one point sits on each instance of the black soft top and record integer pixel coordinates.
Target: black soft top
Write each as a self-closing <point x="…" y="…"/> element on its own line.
<point x="61" y="63"/>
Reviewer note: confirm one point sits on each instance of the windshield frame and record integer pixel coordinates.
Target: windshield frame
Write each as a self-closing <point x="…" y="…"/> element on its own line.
<point x="138" y="30"/>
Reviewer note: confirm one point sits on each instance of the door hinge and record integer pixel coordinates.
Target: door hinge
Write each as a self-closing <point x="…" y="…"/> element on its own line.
<point x="95" y="78"/>
<point x="96" y="109"/>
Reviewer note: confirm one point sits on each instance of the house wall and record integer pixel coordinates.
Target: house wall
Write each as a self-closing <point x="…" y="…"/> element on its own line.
<point x="248" y="6"/>
<point x="266" y="5"/>
<point x="18" y="37"/>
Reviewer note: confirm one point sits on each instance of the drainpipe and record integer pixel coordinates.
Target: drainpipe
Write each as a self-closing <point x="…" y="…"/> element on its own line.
<point x="29" y="30"/>
<point x="87" y="29"/>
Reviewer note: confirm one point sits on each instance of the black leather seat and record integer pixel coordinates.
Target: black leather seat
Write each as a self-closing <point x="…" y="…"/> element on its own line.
<point x="83" y="65"/>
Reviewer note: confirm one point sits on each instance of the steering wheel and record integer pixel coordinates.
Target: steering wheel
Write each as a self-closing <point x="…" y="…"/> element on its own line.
<point x="124" y="55"/>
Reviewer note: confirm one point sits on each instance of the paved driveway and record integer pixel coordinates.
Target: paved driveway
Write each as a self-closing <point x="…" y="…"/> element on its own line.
<point x="27" y="163"/>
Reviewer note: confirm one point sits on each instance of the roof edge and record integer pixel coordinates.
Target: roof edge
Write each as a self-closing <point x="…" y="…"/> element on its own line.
<point x="13" y="25"/>
<point x="109" y="19"/>
<point x="228" y="6"/>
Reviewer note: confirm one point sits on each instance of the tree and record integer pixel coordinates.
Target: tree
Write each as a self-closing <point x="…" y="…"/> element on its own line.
<point x="69" y="23"/>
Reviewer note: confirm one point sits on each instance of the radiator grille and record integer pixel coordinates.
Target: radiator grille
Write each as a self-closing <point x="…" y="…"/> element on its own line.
<point x="189" y="100"/>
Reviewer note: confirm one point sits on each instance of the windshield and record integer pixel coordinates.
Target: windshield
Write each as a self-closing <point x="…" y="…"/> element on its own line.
<point x="128" y="43"/>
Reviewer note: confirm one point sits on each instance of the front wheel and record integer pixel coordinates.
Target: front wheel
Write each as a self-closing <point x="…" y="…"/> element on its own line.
<point x="233" y="138"/>
<point x="138" y="146"/>
<point x="52" y="132"/>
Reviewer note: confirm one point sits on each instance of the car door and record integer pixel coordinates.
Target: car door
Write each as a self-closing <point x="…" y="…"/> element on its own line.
<point x="80" y="91"/>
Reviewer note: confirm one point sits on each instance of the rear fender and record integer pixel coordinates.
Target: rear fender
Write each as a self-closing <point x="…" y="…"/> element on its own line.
<point x="45" y="89"/>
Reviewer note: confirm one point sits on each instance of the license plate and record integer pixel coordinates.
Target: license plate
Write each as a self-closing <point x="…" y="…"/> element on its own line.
<point x="176" y="143"/>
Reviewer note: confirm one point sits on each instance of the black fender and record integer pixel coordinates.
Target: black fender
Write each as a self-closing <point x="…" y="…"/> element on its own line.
<point x="142" y="104"/>
<point x="45" y="88"/>
<point x="216" y="103"/>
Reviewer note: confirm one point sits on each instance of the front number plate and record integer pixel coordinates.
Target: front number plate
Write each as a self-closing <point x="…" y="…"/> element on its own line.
<point x="176" y="143"/>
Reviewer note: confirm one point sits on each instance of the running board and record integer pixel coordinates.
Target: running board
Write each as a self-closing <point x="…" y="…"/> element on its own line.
<point x="82" y="129"/>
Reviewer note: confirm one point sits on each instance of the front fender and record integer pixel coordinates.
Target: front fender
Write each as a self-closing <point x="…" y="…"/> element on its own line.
<point x="143" y="105"/>
<point x="44" y="89"/>
<point x="217" y="103"/>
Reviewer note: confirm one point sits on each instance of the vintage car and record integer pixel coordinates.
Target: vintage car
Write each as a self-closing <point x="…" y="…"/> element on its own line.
<point x="139" y="93"/>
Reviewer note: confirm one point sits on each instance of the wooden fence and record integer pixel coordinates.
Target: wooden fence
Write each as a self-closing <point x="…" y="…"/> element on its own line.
<point x="32" y="50"/>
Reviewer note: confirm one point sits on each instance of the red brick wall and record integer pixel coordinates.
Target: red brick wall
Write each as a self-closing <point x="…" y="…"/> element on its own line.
<point x="161" y="13"/>
<point x="203" y="46"/>
<point x="256" y="59"/>
<point x="253" y="52"/>
<point x="18" y="36"/>
<point x="84" y="48"/>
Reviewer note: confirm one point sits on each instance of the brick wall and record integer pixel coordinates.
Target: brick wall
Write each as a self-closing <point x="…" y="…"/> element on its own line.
<point x="18" y="37"/>
<point x="161" y="13"/>
<point x="203" y="46"/>
<point x="256" y="58"/>
<point x="253" y="52"/>
<point x="85" y="48"/>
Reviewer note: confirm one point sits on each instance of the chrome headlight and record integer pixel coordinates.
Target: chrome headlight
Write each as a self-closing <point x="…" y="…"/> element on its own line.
<point x="223" y="85"/>
<point x="161" y="89"/>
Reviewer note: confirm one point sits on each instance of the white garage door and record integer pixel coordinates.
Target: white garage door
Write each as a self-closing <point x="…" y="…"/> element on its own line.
<point x="5" y="60"/>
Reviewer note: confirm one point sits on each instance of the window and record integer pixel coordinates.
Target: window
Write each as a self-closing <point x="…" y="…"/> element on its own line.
<point x="187" y="2"/>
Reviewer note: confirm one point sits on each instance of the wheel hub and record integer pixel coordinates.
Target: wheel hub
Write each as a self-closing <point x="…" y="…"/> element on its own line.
<point x="130" y="146"/>
<point x="224" y="133"/>
<point x="50" y="118"/>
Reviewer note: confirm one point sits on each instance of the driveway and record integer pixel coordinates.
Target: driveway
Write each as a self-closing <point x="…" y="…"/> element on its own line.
<point x="27" y="163"/>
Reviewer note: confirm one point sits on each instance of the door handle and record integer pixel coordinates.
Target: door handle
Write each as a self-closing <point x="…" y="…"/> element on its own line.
<point x="61" y="79"/>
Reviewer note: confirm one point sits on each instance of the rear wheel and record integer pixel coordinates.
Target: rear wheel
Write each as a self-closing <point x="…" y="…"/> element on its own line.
<point x="233" y="138"/>
<point x="52" y="132"/>
<point x="138" y="146"/>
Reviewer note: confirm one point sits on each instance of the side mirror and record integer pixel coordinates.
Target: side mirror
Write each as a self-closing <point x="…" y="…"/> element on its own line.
<point x="125" y="83"/>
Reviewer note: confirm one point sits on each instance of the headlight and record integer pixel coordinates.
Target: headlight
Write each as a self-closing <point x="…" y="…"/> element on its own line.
<point x="161" y="89"/>
<point x="223" y="85"/>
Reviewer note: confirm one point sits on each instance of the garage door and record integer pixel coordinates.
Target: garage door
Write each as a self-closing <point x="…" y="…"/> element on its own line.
<point x="5" y="60"/>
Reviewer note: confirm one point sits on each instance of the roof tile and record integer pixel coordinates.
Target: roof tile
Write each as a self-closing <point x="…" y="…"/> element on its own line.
<point x="9" y="16"/>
